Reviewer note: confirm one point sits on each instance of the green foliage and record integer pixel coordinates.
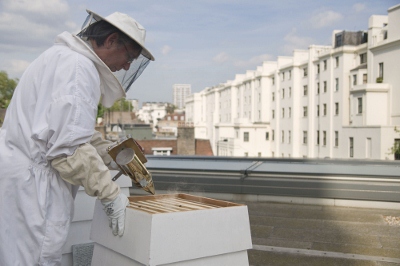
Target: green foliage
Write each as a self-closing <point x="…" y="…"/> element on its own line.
<point x="7" y="87"/>
<point x="121" y="105"/>
<point x="170" y="108"/>
<point x="395" y="149"/>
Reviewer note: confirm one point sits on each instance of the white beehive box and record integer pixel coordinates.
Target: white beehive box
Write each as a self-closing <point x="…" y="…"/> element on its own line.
<point x="174" y="229"/>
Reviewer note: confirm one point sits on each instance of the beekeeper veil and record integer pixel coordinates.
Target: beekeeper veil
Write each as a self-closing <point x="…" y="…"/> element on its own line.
<point x="132" y="29"/>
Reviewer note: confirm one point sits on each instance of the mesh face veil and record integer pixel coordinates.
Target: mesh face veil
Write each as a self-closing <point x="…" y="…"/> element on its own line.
<point x="131" y="29"/>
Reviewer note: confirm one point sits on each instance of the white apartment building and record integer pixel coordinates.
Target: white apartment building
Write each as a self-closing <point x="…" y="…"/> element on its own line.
<point x="151" y="113"/>
<point x="181" y="91"/>
<point x="135" y="104"/>
<point x="337" y="101"/>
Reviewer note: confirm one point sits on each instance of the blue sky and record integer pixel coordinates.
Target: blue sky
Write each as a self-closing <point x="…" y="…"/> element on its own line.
<point x="202" y="43"/>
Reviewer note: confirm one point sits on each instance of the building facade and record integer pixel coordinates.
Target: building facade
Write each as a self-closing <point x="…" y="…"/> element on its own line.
<point x="336" y="101"/>
<point x="180" y="92"/>
<point x="152" y="112"/>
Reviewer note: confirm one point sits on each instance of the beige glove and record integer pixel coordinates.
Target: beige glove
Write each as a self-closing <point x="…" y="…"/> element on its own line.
<point x="101" y="146"/>
<point x="86" y="168"/>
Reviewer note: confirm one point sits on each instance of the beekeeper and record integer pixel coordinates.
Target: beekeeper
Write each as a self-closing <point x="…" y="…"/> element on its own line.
<point x="48" y="145"/>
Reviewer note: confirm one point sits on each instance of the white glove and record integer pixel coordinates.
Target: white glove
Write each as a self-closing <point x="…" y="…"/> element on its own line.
<point x="115" y="211"/>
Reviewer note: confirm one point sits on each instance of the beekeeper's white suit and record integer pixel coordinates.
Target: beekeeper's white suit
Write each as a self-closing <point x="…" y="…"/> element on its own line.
<point x="51" y="120"/>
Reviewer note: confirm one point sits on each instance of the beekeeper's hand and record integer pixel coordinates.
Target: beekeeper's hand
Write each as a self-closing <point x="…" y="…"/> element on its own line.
<point x="115" y="211"/>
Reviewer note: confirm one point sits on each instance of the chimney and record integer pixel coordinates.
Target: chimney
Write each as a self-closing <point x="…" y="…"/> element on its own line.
<point x="186" y="144"/>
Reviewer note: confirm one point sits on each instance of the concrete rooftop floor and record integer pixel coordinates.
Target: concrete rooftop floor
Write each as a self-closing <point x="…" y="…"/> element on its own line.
<point x="294" y="234"/>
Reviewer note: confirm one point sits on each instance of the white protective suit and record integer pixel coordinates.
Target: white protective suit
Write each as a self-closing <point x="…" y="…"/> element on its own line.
<point x="51" y="115"/>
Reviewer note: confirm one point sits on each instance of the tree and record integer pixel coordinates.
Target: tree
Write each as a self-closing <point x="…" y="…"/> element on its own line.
<point x="7" y="87"/>
<point x="170" y="108"/>
<point x="120" y="105"/>
<point x="395" y="149"/>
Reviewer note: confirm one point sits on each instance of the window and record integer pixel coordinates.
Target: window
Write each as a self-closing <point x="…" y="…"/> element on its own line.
<point x="317" y="110"/>
<point x="337" y="61"/>
<point x="290" y="74"/>
<point x="283" y="93"/>
<point x="317" y="137"/>
<point x="363" y="58"/>
<point x="336" y="138"/>
<point x="336" y="84"/>
<point x="259" y="97"/>
<point x="354" y="79"/>
<point x="237" y="133"/>
<point x="283" y="136"/>
<point x="273" y="114"/>
<point x="365" y="78"/>
<point x="324" y="138"/>
<point x="305" y="72"/>
<point x="259" y="154"/>
<point x="381" y="70"/>
<point x="273" y="135"/>
<point x="396" y="145"/>
<point x="338" y="40"/>
<point x="325" y="109"/>
<point x="283" y="75"/>
<point x="290" y="112"/>
<point x="360" y="107"/>
<point x="273" y="80"/>
<point x="304" y="137"/>
<point x="289" y="137"/>
<point x="266" y="135"/>
<point x="318" y="69"/>
<point x="351" y="147"/>
<point x="304" y="111"/>
<point x="325" y="86"/>
<point x="318" y="88"/>
<point x="246" y="136"/>
<point x="259" y="115"/>
<point x="246" y="154"/>
<point x="273" y="96"/>
<point x="290" y="92"/>
<point x="283" y="112"/>
<point x="305" y="90"/>
<point x="336" y="108"/>
<point x="325" y="65"/>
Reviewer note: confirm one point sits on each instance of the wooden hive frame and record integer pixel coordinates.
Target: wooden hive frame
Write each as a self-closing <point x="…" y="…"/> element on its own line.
<point x="167" y="203"/>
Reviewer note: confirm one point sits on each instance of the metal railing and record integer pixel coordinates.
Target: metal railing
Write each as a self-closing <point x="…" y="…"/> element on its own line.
<point x="324" y="178"/>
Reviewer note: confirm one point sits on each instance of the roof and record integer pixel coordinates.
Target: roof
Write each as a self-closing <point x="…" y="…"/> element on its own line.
<point x="202" y="146"/>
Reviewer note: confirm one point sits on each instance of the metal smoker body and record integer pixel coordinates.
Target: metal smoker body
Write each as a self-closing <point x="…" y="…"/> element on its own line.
<point x="130" y="159"/>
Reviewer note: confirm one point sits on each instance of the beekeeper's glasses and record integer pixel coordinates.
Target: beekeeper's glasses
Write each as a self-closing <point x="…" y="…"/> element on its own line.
<point x="129" y="58"/>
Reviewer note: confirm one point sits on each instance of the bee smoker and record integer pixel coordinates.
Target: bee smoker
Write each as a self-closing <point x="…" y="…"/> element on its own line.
<point x="130" y="159"/>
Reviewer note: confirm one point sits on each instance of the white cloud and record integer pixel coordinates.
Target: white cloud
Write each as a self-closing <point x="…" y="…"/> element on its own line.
<point x="221" y="58"/>
<point x="166" y="50"/>
<point x="359" y="7"/>
<point x="25" y="24"/>
<point x="14" y="67"/>
<point x="44" y="8"/>
<point x="253" y="61"/>
<point x="325" y="18"/>
<point x="293" y="41"/>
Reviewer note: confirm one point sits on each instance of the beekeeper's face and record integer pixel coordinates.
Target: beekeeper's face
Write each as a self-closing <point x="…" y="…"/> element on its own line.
<point x="117" y="54"/>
